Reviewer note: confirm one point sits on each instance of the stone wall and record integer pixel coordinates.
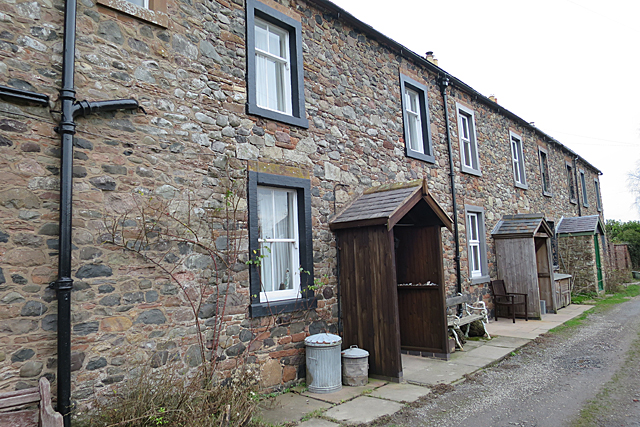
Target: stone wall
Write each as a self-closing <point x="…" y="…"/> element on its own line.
<point x="190" y="78"/>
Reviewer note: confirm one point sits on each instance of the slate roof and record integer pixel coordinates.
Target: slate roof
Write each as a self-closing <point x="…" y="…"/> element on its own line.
<point x="375" y="205"/>
<point x="523" y="225"/>
<point x="582" y="224"/>
<point x="387" y="204"/>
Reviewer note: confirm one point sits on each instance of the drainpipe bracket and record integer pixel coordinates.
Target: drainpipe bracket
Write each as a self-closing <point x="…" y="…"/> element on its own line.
<point x="62" y="284"/>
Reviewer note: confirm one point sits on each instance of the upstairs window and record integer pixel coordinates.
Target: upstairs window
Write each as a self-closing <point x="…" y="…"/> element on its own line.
<point x="275" y="79"/>
<point x="544" y="172"/>
<point x="571" y="183"/>
<point x="583" y="184"/>
<point x="273" y="69"/>
<point x="416" y="120"/>
<point x="517" y="158"/>
<point x="468" y="143"/>
<point x="596" y="185"/>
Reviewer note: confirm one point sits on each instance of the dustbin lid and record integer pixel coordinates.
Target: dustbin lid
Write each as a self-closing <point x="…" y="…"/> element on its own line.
<point x="322" y="340"/>
<point x="355" y="353"/>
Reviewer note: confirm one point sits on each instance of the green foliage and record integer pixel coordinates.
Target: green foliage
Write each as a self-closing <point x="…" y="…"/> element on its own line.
<point x="626" y="232"/>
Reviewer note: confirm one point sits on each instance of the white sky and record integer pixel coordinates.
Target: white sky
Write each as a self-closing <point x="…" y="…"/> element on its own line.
<point x="570" y="66"/>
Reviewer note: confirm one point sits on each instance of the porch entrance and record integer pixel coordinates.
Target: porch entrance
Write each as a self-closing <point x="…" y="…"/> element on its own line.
<point x="391" y="275"/>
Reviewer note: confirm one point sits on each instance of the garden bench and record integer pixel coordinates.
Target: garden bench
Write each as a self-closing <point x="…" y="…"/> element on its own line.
<point x="15" y="408"/>
<point x="470" y="313"/>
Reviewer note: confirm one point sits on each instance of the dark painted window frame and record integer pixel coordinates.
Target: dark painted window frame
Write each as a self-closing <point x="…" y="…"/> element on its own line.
<point x="521" y="162"/>
<point x="298" y="116"/>
<point x="568" y="167"/>
<point x="302" y="187"/>
<point x="583" y="187"/>
<point x="482" y="234"/>
<point x="463" y="109"/>
<point x="548" y="192"/>
<point x="596" y="185"/>
<point x="427" y="156"/>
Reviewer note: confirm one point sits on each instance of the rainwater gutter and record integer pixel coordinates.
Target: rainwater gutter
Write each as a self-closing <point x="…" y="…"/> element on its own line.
<point x="23" y="96"/>
<point x="71" y="109"/>
<point x="444" y="85"/>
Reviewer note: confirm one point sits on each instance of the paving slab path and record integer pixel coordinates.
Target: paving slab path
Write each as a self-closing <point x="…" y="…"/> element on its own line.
<point x="548" y="382"/>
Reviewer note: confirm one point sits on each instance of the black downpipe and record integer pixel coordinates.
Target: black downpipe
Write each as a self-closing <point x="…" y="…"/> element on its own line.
<point x="17" y="95"/>
<point x="444" y="85"/>
<point x="67" y="128"/>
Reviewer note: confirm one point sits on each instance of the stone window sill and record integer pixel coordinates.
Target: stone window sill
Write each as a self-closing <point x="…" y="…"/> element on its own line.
<point x="156" y="14"/>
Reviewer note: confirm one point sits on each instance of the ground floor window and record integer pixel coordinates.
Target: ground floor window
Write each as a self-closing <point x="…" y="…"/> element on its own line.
<point x="280" y="243"/>
<point x="476" y="244"/>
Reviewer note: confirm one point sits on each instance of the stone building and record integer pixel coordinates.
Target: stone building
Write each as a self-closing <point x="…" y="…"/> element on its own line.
<point x="291" y="109"/>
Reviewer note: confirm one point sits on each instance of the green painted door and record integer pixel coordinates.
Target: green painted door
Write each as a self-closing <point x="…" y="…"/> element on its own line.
<point x="598" y="262"/>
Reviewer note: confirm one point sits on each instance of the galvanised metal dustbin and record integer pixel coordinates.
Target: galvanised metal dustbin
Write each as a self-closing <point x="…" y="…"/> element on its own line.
<point x="323" y="363"/>
<point x="355" y="366"/>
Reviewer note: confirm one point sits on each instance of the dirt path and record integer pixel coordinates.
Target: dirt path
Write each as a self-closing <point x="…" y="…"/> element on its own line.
<point x="589" y="377"/>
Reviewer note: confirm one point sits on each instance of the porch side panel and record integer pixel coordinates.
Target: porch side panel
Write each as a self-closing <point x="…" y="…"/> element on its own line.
<point x="516" y="259"/>
<point x="369" y="298"/>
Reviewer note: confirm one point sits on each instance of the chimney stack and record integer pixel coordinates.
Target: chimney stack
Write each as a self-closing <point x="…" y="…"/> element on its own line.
<point x="493" y="98"/>
<point x="431" y="59"/>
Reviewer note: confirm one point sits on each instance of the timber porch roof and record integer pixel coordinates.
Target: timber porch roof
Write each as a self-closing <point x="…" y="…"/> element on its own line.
<point x="591" y="224"/>
<point x="521" y="226"/>
<point x="387" y="205"/>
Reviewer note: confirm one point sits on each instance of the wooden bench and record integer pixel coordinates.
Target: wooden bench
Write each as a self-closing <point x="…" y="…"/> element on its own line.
<point x="470" y="313"/>
<point x="15" y="411"/>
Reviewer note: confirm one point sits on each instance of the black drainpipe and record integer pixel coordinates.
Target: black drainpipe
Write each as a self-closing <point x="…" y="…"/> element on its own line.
<point x="579" y="192"/>
<point x="67" y="128"/>
<point x="23" y="96"/>
<point x="444" y="85"/>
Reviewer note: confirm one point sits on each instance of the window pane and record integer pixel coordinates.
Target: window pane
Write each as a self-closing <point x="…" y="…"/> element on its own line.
<point x="415" y="133"/>
<point x="141" y="3"/>
<point x="280" y="89"/>
<point x="261" y="36"/>
<point x="475" y="259"/>
<point x="277" y="267"/>
<point x="272" y="86"/>
<point x="282" y="216"/>
<point x="467" y="153"/>
<point x="473" y="227"/>
<point x="262" y="96"/>
<point x="465" y="127"/>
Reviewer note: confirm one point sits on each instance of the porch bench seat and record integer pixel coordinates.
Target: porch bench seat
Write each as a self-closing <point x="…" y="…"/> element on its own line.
<point x="470" y="313"/>
<point x="15" y="408"/>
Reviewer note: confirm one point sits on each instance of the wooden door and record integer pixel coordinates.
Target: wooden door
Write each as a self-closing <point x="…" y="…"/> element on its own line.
<point x="598" y="263"/>
<point x="545" y="273"/>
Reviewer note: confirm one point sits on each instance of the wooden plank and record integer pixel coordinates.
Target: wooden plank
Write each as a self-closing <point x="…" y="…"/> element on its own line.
<point x="22" y="397"/>
<point x="48" y="417"/>
<point x="516" y="259"/>
<point x="370" y="298"/>
<point x="28" y="418"/>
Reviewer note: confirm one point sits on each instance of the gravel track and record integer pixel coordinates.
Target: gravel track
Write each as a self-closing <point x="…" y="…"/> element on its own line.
<point x="548" y="382"/>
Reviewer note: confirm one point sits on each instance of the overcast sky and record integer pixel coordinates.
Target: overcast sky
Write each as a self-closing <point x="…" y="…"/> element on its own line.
<point x="570" y="66"/>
